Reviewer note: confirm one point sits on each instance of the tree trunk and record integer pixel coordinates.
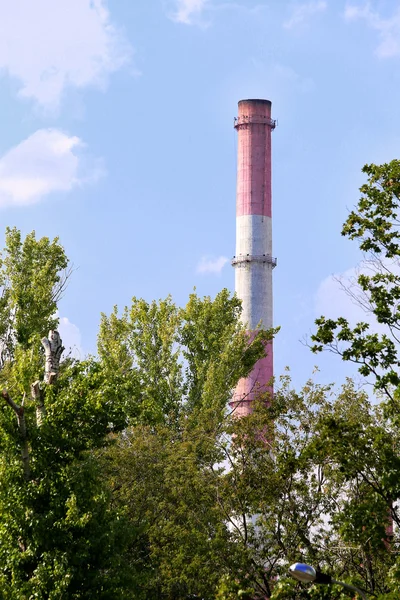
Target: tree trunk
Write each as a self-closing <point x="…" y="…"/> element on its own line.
<point x="53" y="349"/>
<point x="37" y="396"/>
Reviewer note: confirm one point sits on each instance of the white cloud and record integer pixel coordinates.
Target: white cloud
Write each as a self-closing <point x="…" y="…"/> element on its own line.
<point x="71" y="338"/>
<point x="50" y="45"/>
<point x="188" y="11"/>
<point x="387" y="28"/>
<point x="302" y="12"/>
<point x="47" y="161"/>
<point x="332" y="301"/>
<point x="289" y="77"/>
<point x="208" y="264"/>
<point x="341" y="296"/>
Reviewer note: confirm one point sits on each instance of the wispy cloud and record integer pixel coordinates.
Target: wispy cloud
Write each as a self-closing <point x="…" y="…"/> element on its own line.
<point x="47" y="161"/>
<point x="387" y="28"/>
<point x="49" y="46"/>
<point x="301" y="13"/>
<point x="188" y="11"/>
<point x="208" y="264"/>
<point x="287" y="76"/>
<point x="192" y="12"/>
<point x="332" y="301"/>
<point x="341" y="296"/>
<point x="71" y="338"/>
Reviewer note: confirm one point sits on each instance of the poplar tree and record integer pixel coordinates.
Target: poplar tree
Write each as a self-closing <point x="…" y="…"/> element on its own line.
<point x="59" y="536"/>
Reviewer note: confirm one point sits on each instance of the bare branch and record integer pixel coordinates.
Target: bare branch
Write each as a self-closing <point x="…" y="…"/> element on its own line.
<point x="11" y="403"/>
<point x="20" y="413"/>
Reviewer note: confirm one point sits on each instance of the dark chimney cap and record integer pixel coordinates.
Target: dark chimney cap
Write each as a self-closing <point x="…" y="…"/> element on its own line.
<point x="256" y="101"/>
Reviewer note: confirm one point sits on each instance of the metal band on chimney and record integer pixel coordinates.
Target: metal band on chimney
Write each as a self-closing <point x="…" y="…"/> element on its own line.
<point x="248" y="120"/>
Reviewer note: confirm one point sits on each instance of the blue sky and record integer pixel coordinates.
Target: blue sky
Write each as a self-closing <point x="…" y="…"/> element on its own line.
<point x="117" y="136"/>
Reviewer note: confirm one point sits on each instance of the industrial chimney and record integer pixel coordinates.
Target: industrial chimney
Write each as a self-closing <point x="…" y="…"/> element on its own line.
<point x="253" y="261"/>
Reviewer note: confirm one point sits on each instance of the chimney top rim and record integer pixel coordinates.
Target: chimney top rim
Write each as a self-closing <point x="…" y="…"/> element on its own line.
<point x="256" y="101"/>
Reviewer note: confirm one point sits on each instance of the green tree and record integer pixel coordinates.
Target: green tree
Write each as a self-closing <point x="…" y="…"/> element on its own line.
<point x="167" y="484"/>
<point x="167" y="361"/>
<point x="374" y="224"/>
<point x="224" y="506"/>
<point x="33" y="276"/>
<point x="59" y="536"/>
<point x="363" y="442"/>
<point x="126" y="476"/>
<point x="320" y="483"/>
<point x="176" y="369"/>
<point x="223" y="511"/>
<point x="163" y="379"/>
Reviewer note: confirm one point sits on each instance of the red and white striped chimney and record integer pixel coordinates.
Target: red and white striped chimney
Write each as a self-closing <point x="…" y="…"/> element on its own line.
<point x="253" y="261"/>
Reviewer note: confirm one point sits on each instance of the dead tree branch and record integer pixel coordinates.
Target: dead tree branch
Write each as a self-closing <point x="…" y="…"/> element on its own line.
<point x="53" y="349"/>
<point x="20" y="414"/>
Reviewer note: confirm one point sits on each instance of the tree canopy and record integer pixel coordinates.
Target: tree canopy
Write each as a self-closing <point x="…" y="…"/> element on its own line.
<point x="126" y="475"/>
<point x="64" y="530"/>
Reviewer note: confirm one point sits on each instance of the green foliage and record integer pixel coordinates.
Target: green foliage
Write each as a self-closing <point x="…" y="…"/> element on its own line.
<point x="165" y="361"/>
<point x="363" y="442"/>
<point x="374" y="224"/>
<point x="316" y="469"/>
<point x="233" y="589"/>
<point x="167" y="484"/>
<point x="175" y="370"/>
<point x="138" y="354"/>
<point x="222" y="511"/>
<point x="115" y="494"/>
<point x="32" y="279"/>
<point x="60" y="537"/>
<point x="142" y="486"/>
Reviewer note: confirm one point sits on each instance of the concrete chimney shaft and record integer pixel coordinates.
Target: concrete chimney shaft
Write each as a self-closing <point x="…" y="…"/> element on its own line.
<point x="253" y="261"/>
